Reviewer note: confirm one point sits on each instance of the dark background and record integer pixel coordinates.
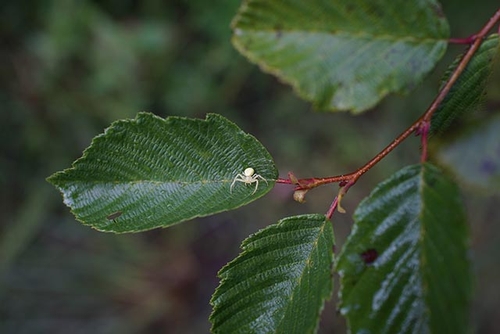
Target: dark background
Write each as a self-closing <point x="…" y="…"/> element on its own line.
<point x="69" y="68"/>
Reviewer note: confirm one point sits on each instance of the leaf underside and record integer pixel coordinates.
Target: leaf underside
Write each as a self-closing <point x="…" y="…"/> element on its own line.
<point x="152" y="172"/>
<point x="278" y="284"/>
<point x="343" y="54"/>
<point x="468" y="91"/>
<point x="404" y="268"/>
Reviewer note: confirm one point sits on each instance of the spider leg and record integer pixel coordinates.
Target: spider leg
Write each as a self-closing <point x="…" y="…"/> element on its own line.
<point x="256" y="185"/>
<point x="263" y="179"/>
<point x="239" y="178"/>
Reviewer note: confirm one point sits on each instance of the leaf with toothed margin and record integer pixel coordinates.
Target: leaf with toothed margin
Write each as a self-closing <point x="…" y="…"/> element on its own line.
<point x="404" y="268"/>
<point x="468" y="91"/>
<point x="152" y="172"/>
<point x="343" y="54"/>
<point x="280" y="281"/>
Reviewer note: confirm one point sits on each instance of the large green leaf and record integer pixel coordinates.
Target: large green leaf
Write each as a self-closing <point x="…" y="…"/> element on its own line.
<point x="343" y="54"/>
<point x="404" y="269"/>
<point x="468" y="91"/>
<point x="278" y="284"/>
<point x="474" y="156"/>
<point x="152" y="172"/>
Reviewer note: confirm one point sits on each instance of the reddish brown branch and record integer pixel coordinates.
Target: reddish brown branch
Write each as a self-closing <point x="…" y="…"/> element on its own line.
<point x="421" y="126"/>
<point x="309" y="183"/>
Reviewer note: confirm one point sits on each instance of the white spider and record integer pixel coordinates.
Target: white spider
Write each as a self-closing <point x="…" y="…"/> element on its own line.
<point x="248" y="177"/>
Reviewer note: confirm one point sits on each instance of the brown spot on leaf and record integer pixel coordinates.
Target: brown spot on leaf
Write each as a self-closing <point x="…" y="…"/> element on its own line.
<point x="114" y="215"/>
<point x="369" y="256"/>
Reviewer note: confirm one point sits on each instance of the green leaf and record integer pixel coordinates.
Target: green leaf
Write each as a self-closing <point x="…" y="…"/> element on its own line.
<point x="278" y="284"/>
<point x="404" y="269"/>
<point x="468" y="91"/>
<point x="343" y="54"/>
<point x="474" y="157"/>
<point x="151" y="172"/>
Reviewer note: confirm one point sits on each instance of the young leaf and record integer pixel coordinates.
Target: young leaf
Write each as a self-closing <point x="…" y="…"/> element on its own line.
<point x="343" y="54"/>
<point x="474" y="157"/>
<point x="278" y="284"/>
<point x="467" y="92"/>
<point x="151" y="172"/>
<point x="404" y="269"/>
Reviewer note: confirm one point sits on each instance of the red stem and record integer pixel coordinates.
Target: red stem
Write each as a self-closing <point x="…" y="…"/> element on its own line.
<point x="468" y="40"/>
<point x="421" y="126"/>
<point x="332" y="208"/>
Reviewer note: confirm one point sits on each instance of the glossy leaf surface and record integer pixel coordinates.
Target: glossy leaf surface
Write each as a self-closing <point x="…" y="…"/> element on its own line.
<point x="343" y="54"/>
<point x="151" y="172"/>
<point x="278" y="284"/>
<point x="467" y="93"/>
<point x="404" y="269"/>
<point x="474" y="156"/>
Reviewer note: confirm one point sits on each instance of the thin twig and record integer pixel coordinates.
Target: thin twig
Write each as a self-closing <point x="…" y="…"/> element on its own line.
<point x="421" y="126"/>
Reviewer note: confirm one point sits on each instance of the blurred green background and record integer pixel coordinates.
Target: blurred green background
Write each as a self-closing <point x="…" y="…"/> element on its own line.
<point x="69" y="68"/>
